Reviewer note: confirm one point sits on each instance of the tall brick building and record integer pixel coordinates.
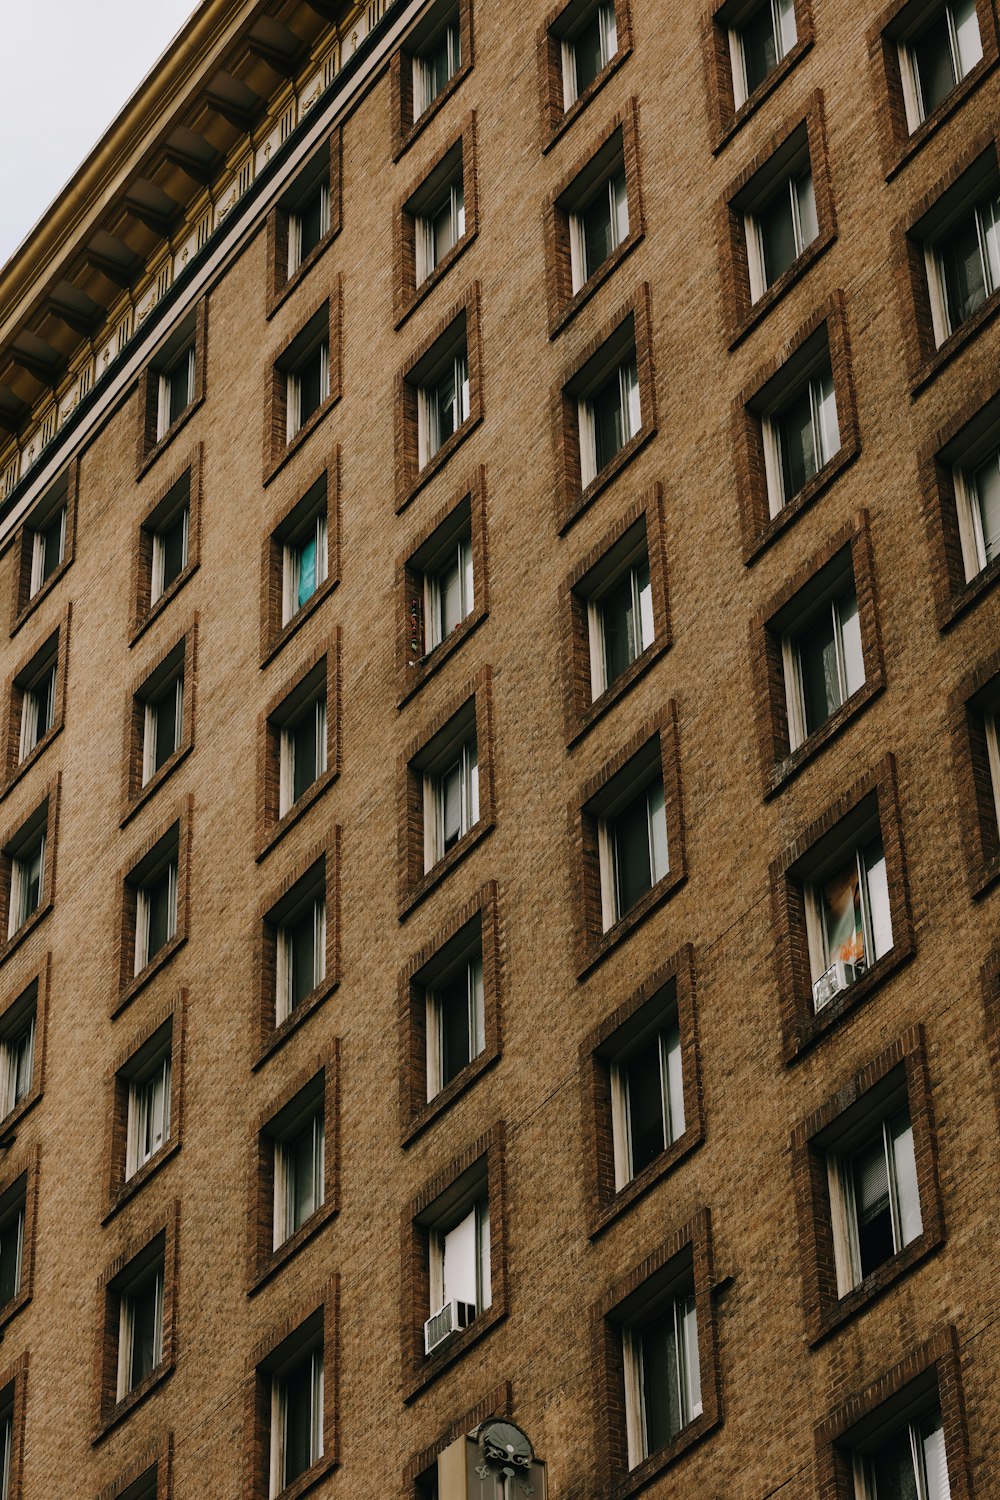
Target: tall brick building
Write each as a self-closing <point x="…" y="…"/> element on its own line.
<point x="499" y="535"/>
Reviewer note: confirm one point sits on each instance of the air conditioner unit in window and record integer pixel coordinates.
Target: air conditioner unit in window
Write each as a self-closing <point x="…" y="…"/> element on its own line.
<point x="837" y="977"/>
<point x="452" y="1317"/>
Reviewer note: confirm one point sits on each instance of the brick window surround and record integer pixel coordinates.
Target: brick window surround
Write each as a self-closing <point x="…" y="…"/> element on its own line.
<point x="154" y="1463"/>
<point x="28" y="989"/>
<point x="975" y="424"/>
<point x="164" y="1028"/>
<point x="671" y="987"/>
<point x="313" y="1323"/>
<point x="618" y="141"/>
<point x="181" y="656"/>
<point x="54" y="649"/>
<point x="322" y="324"/>
<point x="461" y="323"/>
<point x="315" y="872"/>
<point x="19" y="1186"/>
<point x="931" y="1370"/>
<point x="642" y="521"/>
<point x="802" y="137"/>
<point x="64" y="492"/>
<point x="456" y="158"/>
<point x="325" y="166"/>
<point x="824" y="333"/>
<point x="470" y="710"/>
<point x="653" y="747"/>
<point x="873" y="801"/>
<point x="630" y="330"/>
<point x="977" y="695"/>
<point x="315" y="1084"/>
<point x="898" y="1075"/>
<point x="156" y="1244"/>
<point x="556" y="118"/>
<point x="483" y="1161"/>
<point x="846" y="556"/>
<point x="297" y="502"/>
<point x="468" y="510"/>
<point x="974" y="170"/>
<point x="194" y="330"/>
<point x="43" y="816"/>
<point x="474" y="927"/>
<point x="499" y="1403"/>
<point x="684" y="1257"/>
<point x="14" y="1398"/>
<point x="183" y="488"/>
<point x="405" y="129"/>
<point x="897" y="142"/>
<point x="171" y="842"/>
<point x="726" y="118"/>
<point x="319" y="673"/>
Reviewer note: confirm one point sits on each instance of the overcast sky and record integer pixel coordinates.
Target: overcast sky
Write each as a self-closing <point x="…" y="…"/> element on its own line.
<point x="68" y="67"/>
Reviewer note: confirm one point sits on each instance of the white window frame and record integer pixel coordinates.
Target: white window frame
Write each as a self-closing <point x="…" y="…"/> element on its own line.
<point x="143" y="916"/>
<point x="795" y="183"/>
<point x="429" y="439"/>
<point x="17" y="1063"/>
<point x="927" y="1488"/>
<point x="147" y="1117"/>
<point x="607" y="846"/>
<point x="151" y="720"/>
<point x="422" y="96"/>
<point x="460" y="550"/>
<point x="791" y="656"/>
<point x="466" y="758"/>
<point x="163" y="422"/>
<point x="630" y="406"/>
<point x="667" y="1039"/>
<point x="476" y="1021"/>
<point x="688" y="1374"/>
<point x="427" y="258"/>
<point x="596" y="630"/>
<point x="20" y="877"/>
<point x="909" y="75"/>
<point x="825" y="421"/>
<point x="37" y="578"/>
<point x="295" y="226"/>
<point x="277" y="1468"/>
<point x="843" y="1204"/>
<point x="608" y="26"/>
<point x="286" y="762"/>
<point x="989" y="265"/>
<point x="284" y="947"/>
<point x="126" y="1328"/>
<point x="785" y="36"/>
<point x="290" y="566"/>
<point x="876" y="917"/>
<point x="293" y="388"/>
<point x="476" y="1224"/>
<point x="284" y="1214"/>
<point x="615" y="190"/>
<point x="158" y="557"/>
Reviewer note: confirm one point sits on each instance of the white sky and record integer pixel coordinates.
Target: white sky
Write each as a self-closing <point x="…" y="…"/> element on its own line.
<point x="67" y="68"/>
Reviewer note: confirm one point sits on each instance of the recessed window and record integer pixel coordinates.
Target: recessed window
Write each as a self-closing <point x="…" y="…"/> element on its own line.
<point x="609" y="416"/>
<point x="304" y="560"/>
<point x="848" y="919"/>
<point x="977" y="496"/>
<point x="48" y="548"/>
<point x="27" y="879"/>
<point x="662" y="1376"/>
<point x="12" y="1209"/>
<point x="299" y="1173"/>
<point x="874" y="1198"/>
<point x="633" y="851"/>
<point x="175" y="388"/>
<point x="36" y="686"/>
<point x="599" y="222"/>
<point x="308" y="223"/>
<point x="17" y="1051"/>
<point x="801" y="433"/>
<point x="460" y="1277"/>
<point x="155" y="911"/>
<point x="823" y="662"/>
<point x="780" y="224"/>
<point x="303" y="751"/>
<point x="587" y="48"/>
<point x="147" y="1124"/>
<point x="435" y="64"/>
<point x="911" y="1463"/>
<point x="647" y="1100"/>
<point x="140" y="1327"/>
<point x="163" y="722"/>
<point x="935" y="55"/>
<point x="300" y="953"/>
<point x="442" y="402"/>
<point x="763" y="35"/>
<point x="308" y="386"/>
<point x="451" y="796"/>
<point x="448" y="585"/>
<point x="963" y="264"/>
<point x="296" y="1425"/>
<point x="620" y="620"/>
<point x="455" y="1020"/>
<point x="169" y="549"/>
<point x="6" y="1441"/>
<point x="440" y="222"/>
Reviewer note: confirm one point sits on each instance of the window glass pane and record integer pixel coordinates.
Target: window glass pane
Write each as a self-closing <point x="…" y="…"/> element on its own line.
<point x="786" y="24"/>
<point x="645" y="1105"/>
<point x="986" y="484"/>
<point x="460" y="1261"/>
<point x="806" y="201"/>
<point x="776" y="229"/>
<point x="450" y="587"/>
<point x="167" y="713"/>
<point x="645" y="592"/>
<point x="306" y="571"/>
<point x="451" y="805"/>
<point x="310" y="384"/>
<point x="631" y="844"/>
<point x="311" y="222"/>
<point x="160" y="909"/>
<point x="970" y="46"/>
<point x="905" y="1173"/>
<point x="797" y="444"/>
<point x="598" y="224"/>
<point x="10" y="1257"/>
<point x="660" y="1381"/>
<point x="618" y="628"/>
<point x="298" y="1413"/>
<point x="589" y="53"/>
<point x="146" y="1332"/>
<point x="304" y="1188"/>
<point x="840" y="906"/>
<point x="173" y="542"/>
<point x="619" y="203"/>
<point x="870" y="1182"/>
<point x="758" y="47"/>
<point x="933" y="63"/>
<point x="302" y="940"/>
<point x="850" y="638"/>
<point x="178" y="394"/>
<point x="609" y="431"/>
<point x="990" y="221"/>
<point x="657" y="831"/>
<point x="818" y="668"/>
<point x="878" y="898"/>
<point x="892" y="1471"/>
<point x="453" y="999"/>
<point x="52" y="544"/>
<point x="962" y="265"/>
<point x="305" y="752"/>
<point x="670" y="1042"/>
<point x="826" y="416"/>
<point x="935" y="1458"/>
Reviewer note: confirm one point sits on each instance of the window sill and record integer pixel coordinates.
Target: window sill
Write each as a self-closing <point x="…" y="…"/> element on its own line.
<point x="965" y="598"/>
<point x="25" y="930"/>
<point x="810" y="1027"/>
<point x="280" y="1034"/>
<point x="405" y="138"/>
<point x="11" y="1309"/>
<point x="780" y="774"/>
<point x="263" y="1270"/>
<point x="11" y="1121"/>
<point x="574" y="508"/>
<point x="40" y="594"/>
<point x="280" y="294"/>
<point x="934" y="363"/>
<point x="412" y="895"/>
<point x="637" y="1478"/>
<point x="150" y="456"/>
<point x="416" y="1123"/>
<point x="823" y="1321"/>
<point x="127" y="1189"/>
<point x="414" y="296"/>
<point x="595" y="953"/>
<point x="790" y="275"/>
<point x="896" y="158"/>
<point x="437" y="462"/>
<point x="433" y="1365"/>
<point x="286" y="631"/>
<point x="983" y="876"/>
<point x="142" y="796"/>
<point x="143" y="977"/>
<point x="569" y="310"/>
<point x="297" y="810"/>
<point x="585" y="720"/>
<point x="736" y="119"/>
<point x="123" y="1408"/>
<point x="292" y="445"/>
<point x="140" y="626"/>
<point x="306" y="1480"/>
<point x="24" y="766"/>
<point x="816" y="486"/>
<point x="578" y="106"/>
<point x="611" y="1209"/>
<point x="413" y="678"/>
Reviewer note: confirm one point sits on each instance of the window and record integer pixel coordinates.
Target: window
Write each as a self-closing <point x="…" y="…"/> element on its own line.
<point x="963" y="263"/>
<point x="27" y="880"/>
<point x="435" y="64"/>
<point x="304" y="560"/>
<point x="305" y="378"/>
<point x="299" y="1174"/>
<point x="36" y="687"/>
<point x="823" y="663"/>
<point x="451" y="798"/>
<point x="163" y="722"/>
<point x="620" y="619"/>
<point x="460" y="1277"/>
<point x="442" y="403"/>
<point x="290" y="1408"/>
<point x="801" y="435"/>
<point x="439" y="399"/>
<point x="296" y="1430"/>
<point x="936" y="55"/>
<point x="607" y="406"/>
<point x="48" y="548"/>
<point x="758" y="41"/>
<point x="599" y="223"/>
<point x="779" y="226"/>
<point x="647" y="1101"/>
<point x="147" y="1125"/>
<point x="140" y="1328"/>
<point x="911" y="1464"/>
<point x="6" y="1443"/>
<point x="848" y="919"/>
<point x="308" y="224"/>
<point x="455" y="1021"/>
<point x="167" y="545"/>
<point x="175" y="389"/>
<point x="633" y="851"/>
<point x="662" y="1376"/>
<point x="449" y="589"/>
<point x="308" y="386"/>
<point x="300" y="954"/>
<point x="977" y="496"/>
<point x="169" y="549"/>
<point x="303" y="752"/>
<point x="587" y="48"/>
<point x="609" y="416"/>
<point x="440" y="222"/>
<point x="298" y="967"/>
<point x="155" y="911"/>
<point x="17" y="1051"/>
<point x="300" y="560"/>
<point x="12" y="1242"/>
<point x="874" y="1198"/>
